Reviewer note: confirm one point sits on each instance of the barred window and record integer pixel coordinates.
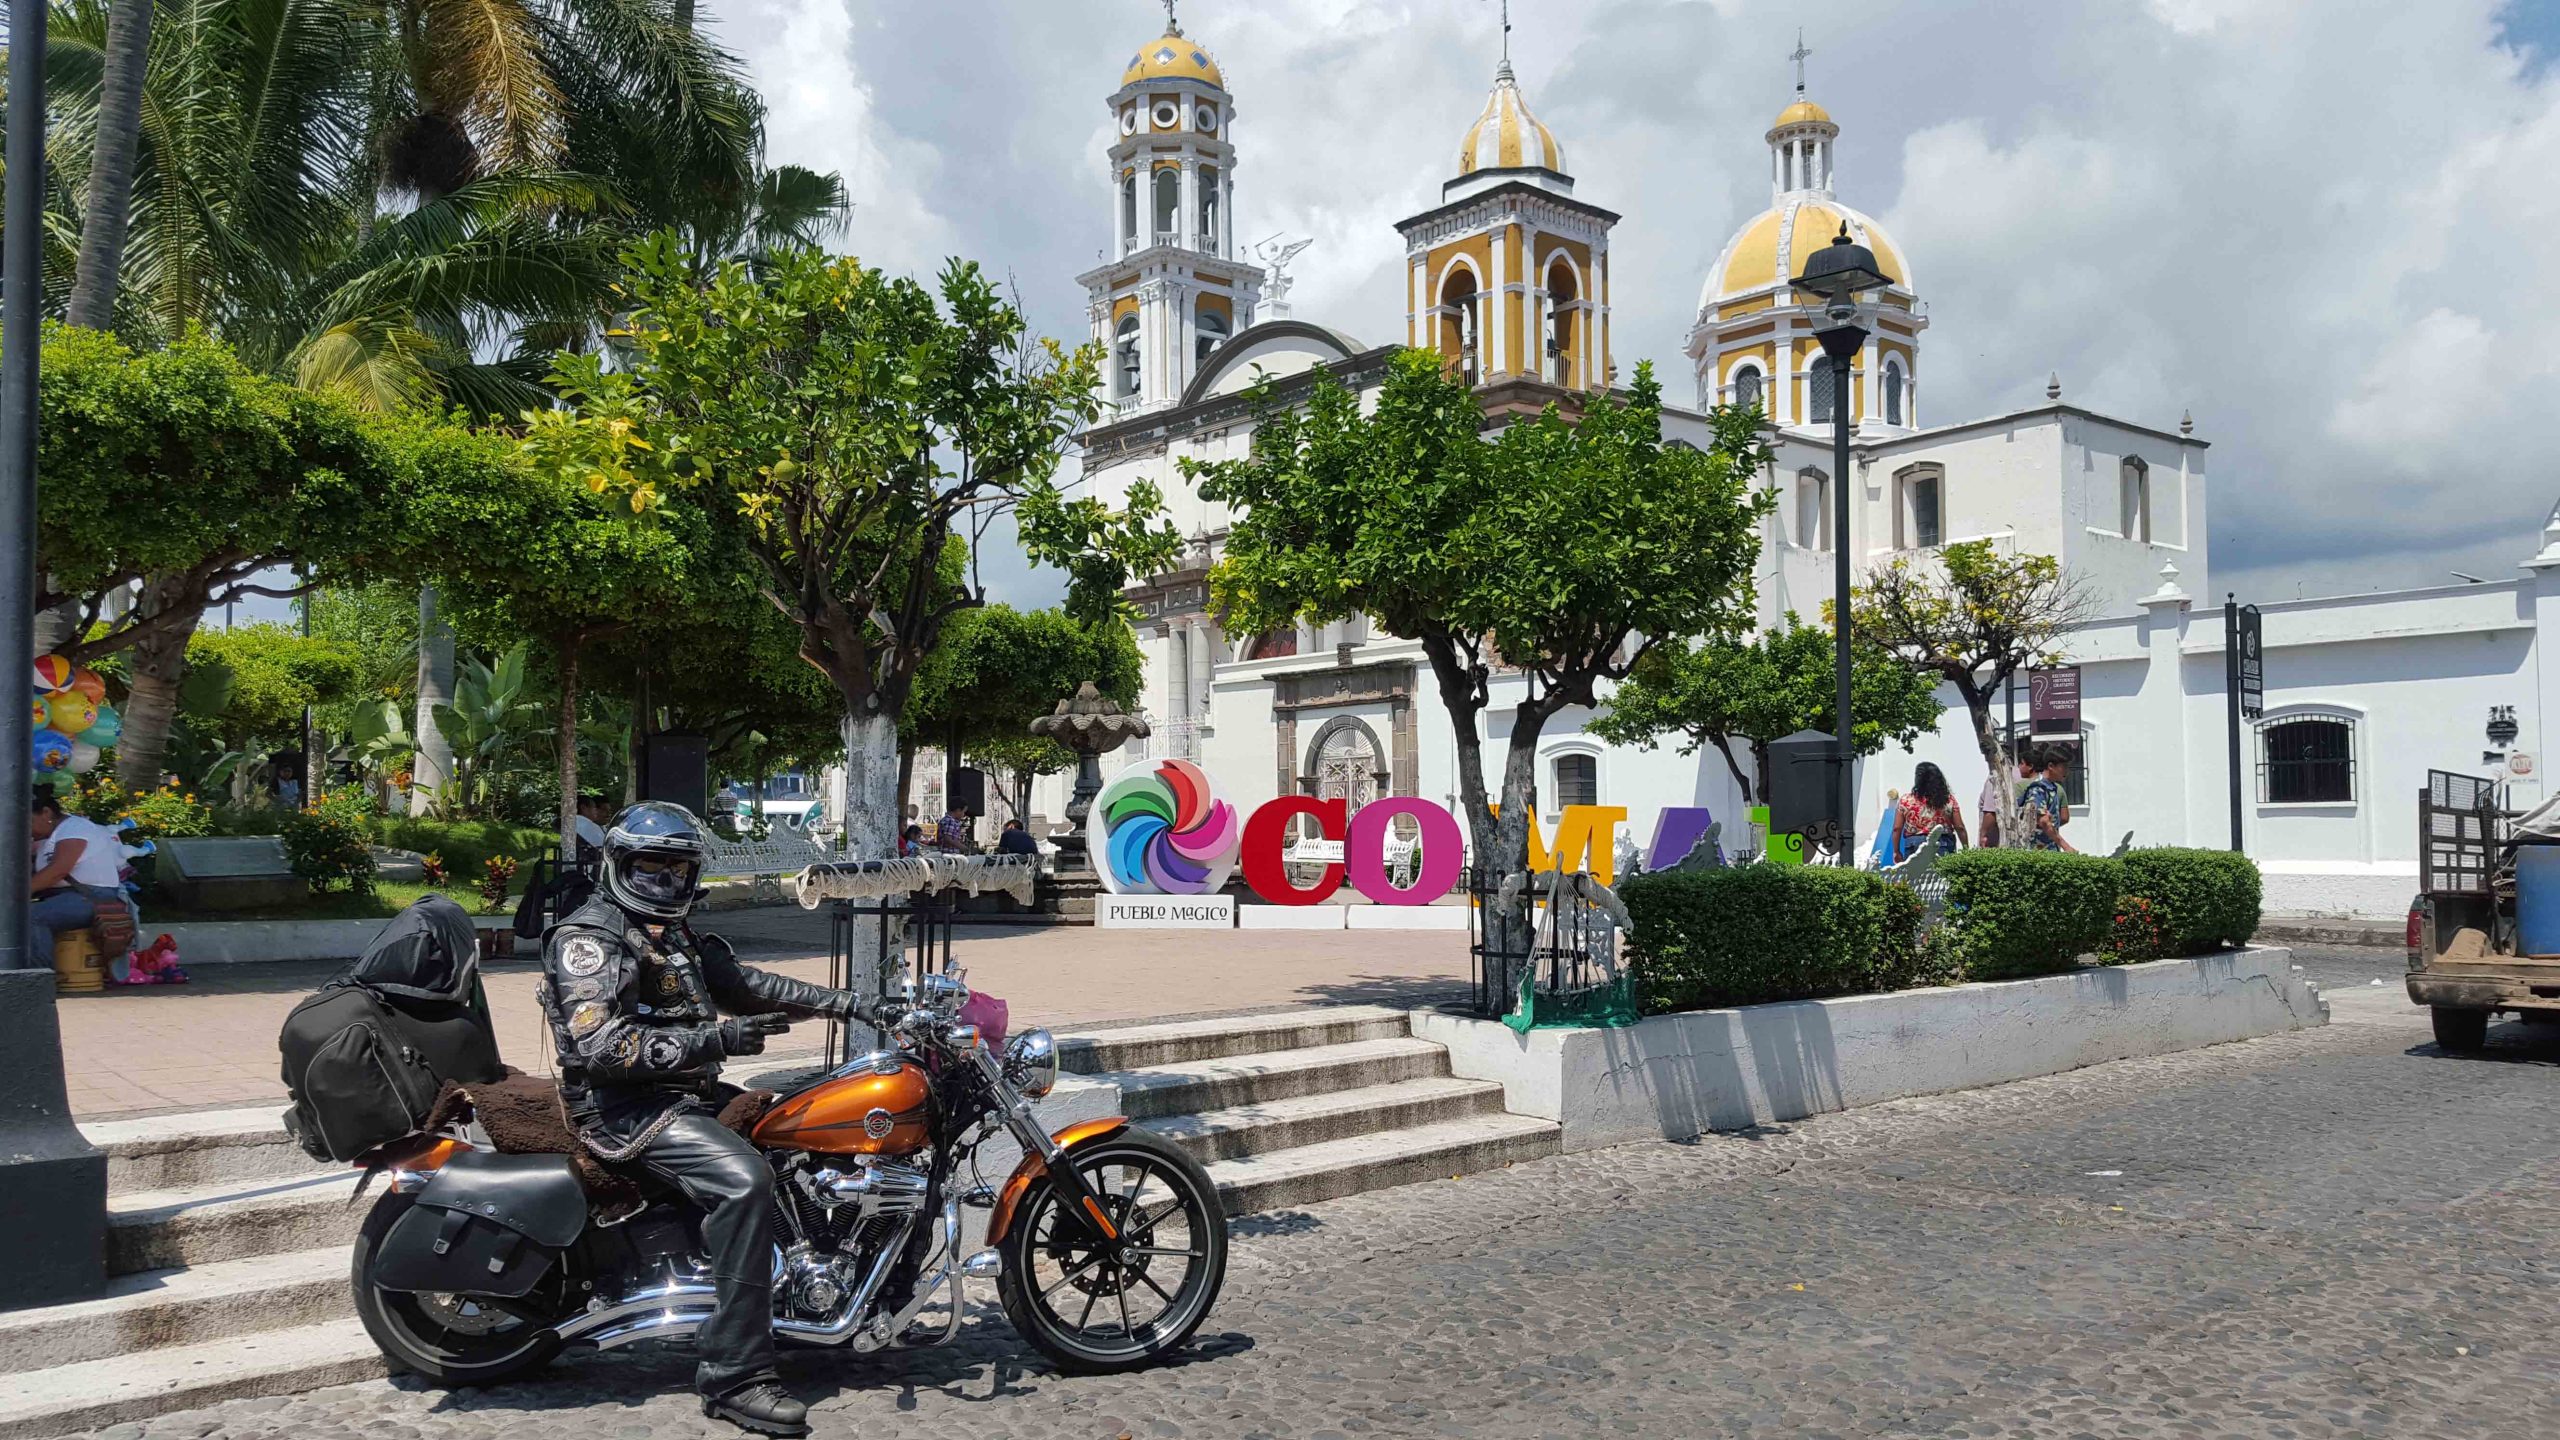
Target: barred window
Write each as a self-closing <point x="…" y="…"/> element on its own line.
<point x="1577" y="780"/>
<point x="2307" y="760"/>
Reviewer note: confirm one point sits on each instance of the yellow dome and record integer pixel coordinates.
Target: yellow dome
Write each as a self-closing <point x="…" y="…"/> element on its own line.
<point x="1506" y="136"/>
<point x="1799" y="113"/>
<point x="1173" y="56"/>
<point x="1770" y="249"/>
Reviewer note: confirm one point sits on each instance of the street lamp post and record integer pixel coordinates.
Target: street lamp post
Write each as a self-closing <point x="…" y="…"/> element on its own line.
<point x="53" y="1184"/>
<point x="1838" y="272"/>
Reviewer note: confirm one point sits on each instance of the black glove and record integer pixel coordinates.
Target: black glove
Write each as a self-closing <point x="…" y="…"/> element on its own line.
<point x="745" y="1034"/>
<point x="845" y="1005"/>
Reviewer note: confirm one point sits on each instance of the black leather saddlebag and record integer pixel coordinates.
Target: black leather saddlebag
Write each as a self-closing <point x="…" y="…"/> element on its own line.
<point x="487" y="1224"/>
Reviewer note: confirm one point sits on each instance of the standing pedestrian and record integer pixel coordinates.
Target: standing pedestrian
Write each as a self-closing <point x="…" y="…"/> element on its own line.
<point x="2043" y="809"/>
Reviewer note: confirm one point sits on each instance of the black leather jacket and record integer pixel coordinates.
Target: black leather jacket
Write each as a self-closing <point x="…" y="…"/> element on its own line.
<point x="636" y="1019"/>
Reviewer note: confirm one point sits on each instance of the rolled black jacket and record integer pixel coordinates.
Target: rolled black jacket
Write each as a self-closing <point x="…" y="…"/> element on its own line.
<point x="636" y="1019"/>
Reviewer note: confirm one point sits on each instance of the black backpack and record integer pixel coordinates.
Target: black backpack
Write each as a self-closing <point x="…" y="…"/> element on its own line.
<point x="365" y="1056"/>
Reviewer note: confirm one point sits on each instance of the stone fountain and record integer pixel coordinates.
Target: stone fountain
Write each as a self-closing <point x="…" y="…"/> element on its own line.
<point x="1090" y="725"/>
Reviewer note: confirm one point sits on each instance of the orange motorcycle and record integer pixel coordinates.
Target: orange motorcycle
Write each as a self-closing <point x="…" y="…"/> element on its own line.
<point x="1107" y="1244"/>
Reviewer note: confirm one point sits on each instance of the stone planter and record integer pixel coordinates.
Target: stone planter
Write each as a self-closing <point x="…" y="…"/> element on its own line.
<point x="1675" y="1077"/>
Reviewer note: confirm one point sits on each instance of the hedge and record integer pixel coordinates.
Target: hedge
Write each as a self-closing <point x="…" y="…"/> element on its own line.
<point x="1748" y="935"/>
<point x="2029" y="912"/>
<point x="2205" y="899"/>
<point x="464" y="845"/>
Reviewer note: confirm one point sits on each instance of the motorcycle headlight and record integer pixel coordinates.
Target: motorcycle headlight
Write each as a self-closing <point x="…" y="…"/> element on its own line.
<point x="1031" y="1063"/>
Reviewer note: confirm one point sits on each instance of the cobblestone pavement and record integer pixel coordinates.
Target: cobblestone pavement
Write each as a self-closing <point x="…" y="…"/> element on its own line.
<point x="2334" y="1232"/>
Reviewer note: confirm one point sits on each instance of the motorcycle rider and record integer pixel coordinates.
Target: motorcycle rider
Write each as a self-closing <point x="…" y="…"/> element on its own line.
<point x="636" y="999"/>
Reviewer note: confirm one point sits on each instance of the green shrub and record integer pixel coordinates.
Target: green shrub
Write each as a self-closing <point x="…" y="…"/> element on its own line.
<point x="2029" y="912"/>
<point x="2140" y="932"/>
<point x="328" y="846"/>
<point x="1757" y="933"/>
<point x="2206" y="898"/>
<point x="466" y="846"/>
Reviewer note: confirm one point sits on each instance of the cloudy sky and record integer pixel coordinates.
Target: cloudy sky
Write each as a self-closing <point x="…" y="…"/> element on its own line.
<point x="2325" y="226"/>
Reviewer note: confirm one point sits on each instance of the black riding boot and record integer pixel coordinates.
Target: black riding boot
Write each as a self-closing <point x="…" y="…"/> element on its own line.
<point x="723" y="1175"/>
<point x="762" y="1406"/>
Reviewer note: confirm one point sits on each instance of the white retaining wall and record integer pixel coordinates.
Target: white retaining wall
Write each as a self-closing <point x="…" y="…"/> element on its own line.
<point x="1678" y="1076"/>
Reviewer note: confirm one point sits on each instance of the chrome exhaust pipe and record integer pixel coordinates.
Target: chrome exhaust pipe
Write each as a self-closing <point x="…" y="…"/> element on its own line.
<point x="678" y="1311"/>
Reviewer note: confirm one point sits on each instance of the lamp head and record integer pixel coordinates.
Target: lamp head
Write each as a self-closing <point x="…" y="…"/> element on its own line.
<point x="1840" y="270"/>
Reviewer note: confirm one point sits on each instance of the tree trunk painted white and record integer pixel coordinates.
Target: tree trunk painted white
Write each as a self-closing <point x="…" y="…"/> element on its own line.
<point x="434" y="765"/>
<point x="871" y="776"/>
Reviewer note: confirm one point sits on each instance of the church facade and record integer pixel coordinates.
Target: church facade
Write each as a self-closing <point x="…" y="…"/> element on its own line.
<point x="1508" y="276"/>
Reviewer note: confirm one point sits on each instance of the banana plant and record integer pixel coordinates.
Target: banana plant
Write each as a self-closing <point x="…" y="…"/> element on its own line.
<point x="494" y="720"/>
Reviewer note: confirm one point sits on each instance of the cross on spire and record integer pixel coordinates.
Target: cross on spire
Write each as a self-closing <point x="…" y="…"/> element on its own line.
<point x="1797" y="55"/>
<point x="1173" y="26"/>
<point x="1506" y="38"/>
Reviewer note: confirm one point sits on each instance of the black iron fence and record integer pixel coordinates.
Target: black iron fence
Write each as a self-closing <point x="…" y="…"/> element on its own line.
<point x="1542" y="952"/>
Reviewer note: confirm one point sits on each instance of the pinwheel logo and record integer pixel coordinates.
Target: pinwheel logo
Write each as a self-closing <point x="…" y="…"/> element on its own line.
<point x="1164" y="829"/>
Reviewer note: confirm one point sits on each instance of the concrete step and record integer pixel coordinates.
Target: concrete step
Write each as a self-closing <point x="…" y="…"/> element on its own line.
<point x="156" y="1309"/>
<point x="1335" y="1168"/>
<point x="1137" y="1047"/>
<point x="1311" y="1119"/>
<point x="198" y="1147"/>
<point x="237" y="1220"/>
<point x="1197" y="1085"/>
<point x="116" y="1388"/>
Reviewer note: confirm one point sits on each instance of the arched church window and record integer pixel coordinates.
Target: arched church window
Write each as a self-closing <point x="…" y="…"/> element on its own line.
<point x="1746" y="387"/>
<point x="1577" y="779"/>
<point x="1918" y="514"/>
<point x="2136" y="500"/>
<point x="1561" y="294"/>
<point x="1818" y="383"/>
<point x="1124" y="367"/>
<point x="1168" y="204"/>
<point x="1209" y="207"/>
<point x="1892" y="393"/>
<point x="1813" y="510"/>
<point x="1458" y="322"/>
<point x="1211" y="330"/>
<point x="1129" y="206"/>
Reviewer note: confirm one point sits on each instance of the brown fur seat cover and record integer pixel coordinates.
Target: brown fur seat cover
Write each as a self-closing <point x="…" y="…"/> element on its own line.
<point x="523" y="1117"/>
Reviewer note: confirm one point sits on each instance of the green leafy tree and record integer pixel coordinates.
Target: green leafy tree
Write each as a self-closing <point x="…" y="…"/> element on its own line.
<point x="1563" y="550"/>
<point x="181" y="474"/>
<point x="1729" y="692"/>
<point x="260" y="679"/>
<point x="997" y="669"/>
<point x="858" y="422"/>
<point x="1972" y="616"/>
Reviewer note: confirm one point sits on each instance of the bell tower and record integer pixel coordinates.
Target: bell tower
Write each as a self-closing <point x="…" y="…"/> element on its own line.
<point x="1173" y="285"/>
<point x="1508" y="276"/>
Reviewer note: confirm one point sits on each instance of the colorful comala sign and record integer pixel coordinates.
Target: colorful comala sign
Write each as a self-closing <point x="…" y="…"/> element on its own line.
<point x="1163" y="828"/>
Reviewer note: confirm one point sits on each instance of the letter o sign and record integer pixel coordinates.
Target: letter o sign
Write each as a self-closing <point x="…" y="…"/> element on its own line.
<point x="1364" y="852"/>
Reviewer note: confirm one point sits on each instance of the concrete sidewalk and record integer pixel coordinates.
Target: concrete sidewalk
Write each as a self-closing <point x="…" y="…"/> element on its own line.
<point x="213" y="1042"/>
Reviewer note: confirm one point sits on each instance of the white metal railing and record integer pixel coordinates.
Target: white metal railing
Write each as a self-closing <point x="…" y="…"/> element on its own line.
<point x="1168" y="740"/>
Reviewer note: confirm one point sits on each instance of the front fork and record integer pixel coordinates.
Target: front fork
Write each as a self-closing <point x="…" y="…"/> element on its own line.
<point x="1036" y="1140"/>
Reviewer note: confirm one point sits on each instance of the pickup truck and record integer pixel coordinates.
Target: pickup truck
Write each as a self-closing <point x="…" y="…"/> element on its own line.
<point x="2463" y="960"/>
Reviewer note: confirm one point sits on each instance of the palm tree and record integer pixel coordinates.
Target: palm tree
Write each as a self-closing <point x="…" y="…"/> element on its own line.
<point x="118" y="133"/>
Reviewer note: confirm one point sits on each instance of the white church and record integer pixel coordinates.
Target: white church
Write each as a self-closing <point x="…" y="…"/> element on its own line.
<point x="1508" y="276"/>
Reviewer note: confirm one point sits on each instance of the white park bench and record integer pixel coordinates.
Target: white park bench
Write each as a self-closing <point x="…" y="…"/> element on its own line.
<point x="1306" y="859"/>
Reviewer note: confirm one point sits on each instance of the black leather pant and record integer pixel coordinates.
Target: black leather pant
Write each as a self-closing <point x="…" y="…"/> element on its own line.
<point x="731" y="1184"/>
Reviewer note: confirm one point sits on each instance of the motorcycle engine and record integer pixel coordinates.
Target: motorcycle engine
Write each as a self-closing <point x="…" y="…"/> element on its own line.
<point x="835" y="1224"/>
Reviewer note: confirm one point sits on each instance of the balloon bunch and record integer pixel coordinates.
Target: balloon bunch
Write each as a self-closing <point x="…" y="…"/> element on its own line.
<point x="72" y="717"/>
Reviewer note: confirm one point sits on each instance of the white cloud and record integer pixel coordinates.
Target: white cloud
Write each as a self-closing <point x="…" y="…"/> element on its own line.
<point x="2322" y="225"/>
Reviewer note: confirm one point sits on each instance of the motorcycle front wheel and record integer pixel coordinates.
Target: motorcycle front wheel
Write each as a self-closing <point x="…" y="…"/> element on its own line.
<point x="450" y="1339"/>
<point x="1098" y="1306"/>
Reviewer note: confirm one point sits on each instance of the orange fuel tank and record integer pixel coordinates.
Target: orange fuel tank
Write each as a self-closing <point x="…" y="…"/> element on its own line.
<point x="882" y="1110"/>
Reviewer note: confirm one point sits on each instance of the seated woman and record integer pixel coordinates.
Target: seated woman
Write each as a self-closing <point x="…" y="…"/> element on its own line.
<point x="79" y="868"/>
<point x="1931" y="805"/>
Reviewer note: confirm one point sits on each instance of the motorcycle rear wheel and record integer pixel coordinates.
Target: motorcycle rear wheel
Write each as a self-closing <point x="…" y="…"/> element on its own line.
<point x="1071" y="1295"/>
<point x="449" y="1339"/>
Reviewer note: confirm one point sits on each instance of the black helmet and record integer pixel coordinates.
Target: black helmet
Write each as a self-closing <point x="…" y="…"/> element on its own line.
<point x="653" y="857"/>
